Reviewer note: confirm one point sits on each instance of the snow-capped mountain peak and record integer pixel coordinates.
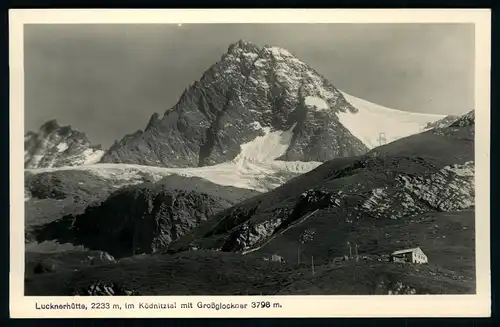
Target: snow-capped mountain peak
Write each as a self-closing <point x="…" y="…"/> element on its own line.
<point x="258" y="109"/>
<point x="249" y="86"/>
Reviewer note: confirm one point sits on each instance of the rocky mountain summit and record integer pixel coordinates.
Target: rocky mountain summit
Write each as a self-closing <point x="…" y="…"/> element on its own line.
<point x="251" y="91"/>
<point x="58" y="146"/>
<point x="255" y="105"/>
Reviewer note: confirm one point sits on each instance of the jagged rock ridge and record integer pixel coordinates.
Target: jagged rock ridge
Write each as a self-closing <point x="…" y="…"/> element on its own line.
<point x="58" y="146"/>
<point x="251" y="88"/>
<point x="465" y="120"/>
<point x="445" y="122"/>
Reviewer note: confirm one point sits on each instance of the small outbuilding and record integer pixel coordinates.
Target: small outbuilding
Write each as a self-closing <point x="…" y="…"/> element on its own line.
<point x="414" y="255"/>
<point x="277" y="258"/>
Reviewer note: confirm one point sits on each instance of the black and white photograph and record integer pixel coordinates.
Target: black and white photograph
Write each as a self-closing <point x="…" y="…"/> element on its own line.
<point x="249" y="159"/>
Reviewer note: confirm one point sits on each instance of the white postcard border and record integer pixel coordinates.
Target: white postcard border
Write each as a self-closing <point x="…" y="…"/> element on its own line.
<point x="291" y="306"/>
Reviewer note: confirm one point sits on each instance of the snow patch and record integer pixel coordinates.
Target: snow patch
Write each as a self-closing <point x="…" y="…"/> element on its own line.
<point x="61" y="147"/>
<point x="260" y="63"/>
<point x="283" y="54"/>
<point x="92" y="157"/>
<point x="372" y="120"/>
<point x="279" y="52"/>
<point x="256" y="125"/>
<point x="270" y="146"/>
<point x="250" y="55"/>
<point x="316" y="102"/>
<point x="35" y="160"/>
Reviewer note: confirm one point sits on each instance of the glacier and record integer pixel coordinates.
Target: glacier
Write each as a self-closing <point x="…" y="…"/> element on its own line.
<point x="254" y="168"/>
<point x="373" y="121"/>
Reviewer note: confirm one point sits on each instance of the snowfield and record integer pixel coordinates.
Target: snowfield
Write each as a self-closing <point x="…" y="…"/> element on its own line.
<point x="373" y="121"/>
<point x="266" y="148"/>
<point x="254" y="168"/>
<point x="316" y="102"/>
<point x="61" y="147"/>
<point x="91" y="156"/>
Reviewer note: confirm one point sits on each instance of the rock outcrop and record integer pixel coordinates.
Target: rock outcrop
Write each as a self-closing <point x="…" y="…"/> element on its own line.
<point x="58" y="146"/>
<point x="100" y="288"/>
<point x="146" y="217"/>
<point x="445" y="122"/>
<point x="465" y="120"/>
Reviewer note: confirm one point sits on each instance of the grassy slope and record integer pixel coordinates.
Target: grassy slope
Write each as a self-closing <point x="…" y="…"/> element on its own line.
<point x="54" y="257"/>
<point x="415" y="155"/>
<point x="219" y="273"/>
<point x="446" y="238"/>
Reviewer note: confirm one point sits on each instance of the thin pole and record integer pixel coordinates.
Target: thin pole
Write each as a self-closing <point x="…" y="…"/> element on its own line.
<point x="312" y="264"/>
<point x="381" y="138"/>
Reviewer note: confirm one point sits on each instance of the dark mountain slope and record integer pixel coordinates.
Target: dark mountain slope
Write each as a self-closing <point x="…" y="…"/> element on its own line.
<point x="144" y="217"/>
<point x="51" y="195"/>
